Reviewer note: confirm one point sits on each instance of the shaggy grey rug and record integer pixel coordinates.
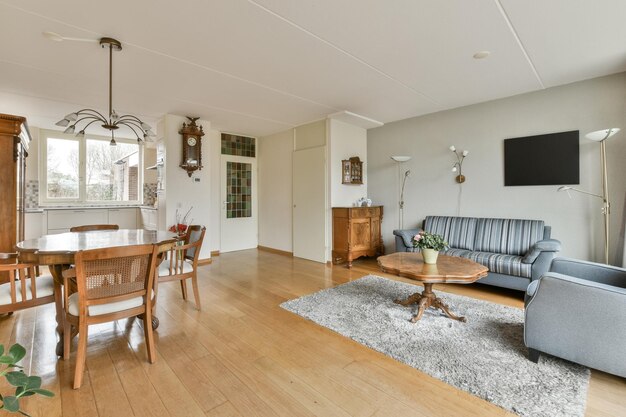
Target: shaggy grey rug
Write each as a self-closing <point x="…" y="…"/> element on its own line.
<point x="485" y="356"/>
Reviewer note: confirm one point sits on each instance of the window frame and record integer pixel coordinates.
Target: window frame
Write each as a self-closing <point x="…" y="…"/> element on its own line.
<point x="82" y="171"/>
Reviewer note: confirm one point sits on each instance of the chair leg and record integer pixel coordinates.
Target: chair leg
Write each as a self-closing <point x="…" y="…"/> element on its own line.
<point x="81" y="354"/>
<point x="196" y="292"/>
<point x="533" y="355"/>
<point x="149" y="335"/>
<point x="183" y="288"/>
<point x="67" y="338"/>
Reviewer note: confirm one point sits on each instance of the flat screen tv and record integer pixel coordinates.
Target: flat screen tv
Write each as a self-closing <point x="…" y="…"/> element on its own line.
<point x="551" y="159"/>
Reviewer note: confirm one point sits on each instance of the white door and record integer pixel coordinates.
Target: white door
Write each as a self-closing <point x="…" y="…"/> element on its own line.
<point x="239" y="228"/>
<point x="309" y="204"/>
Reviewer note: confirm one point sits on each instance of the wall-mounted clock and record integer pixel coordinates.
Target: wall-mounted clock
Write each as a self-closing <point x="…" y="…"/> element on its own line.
<point x="192" y="146"/>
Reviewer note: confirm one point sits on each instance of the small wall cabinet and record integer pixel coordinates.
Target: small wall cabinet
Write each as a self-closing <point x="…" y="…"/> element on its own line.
<point x="356" y="233"/>
<point x="352" y="171"/>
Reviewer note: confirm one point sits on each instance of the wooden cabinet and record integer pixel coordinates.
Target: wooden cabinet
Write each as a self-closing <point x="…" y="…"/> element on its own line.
<point x="356" y="233"/>
<point x="14" y="141"/>
<point x="352" y="171"/>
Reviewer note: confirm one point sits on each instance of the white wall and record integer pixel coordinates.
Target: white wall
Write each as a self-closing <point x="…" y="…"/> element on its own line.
<point x="32" y="162"/>
<point x="214" y="147"/>
<point x="346" y="140"/>
<point x="586" y="106"/>
<point x="182" y="192"/>
<point x="275" y="156"/>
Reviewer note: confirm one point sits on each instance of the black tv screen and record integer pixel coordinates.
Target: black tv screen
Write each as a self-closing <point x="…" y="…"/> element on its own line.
<point x="551" y="159"/>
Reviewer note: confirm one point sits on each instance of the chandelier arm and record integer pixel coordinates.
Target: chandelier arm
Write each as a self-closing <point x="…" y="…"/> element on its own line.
<point x="131" y="128"/>
<point x="130" y="116"/>
<point x="87" y="118"/>
<point x="94" y="111"/>
<point x="89" y="124"/>
<point x="137" y="120"/>
<point x="129" y="122"/>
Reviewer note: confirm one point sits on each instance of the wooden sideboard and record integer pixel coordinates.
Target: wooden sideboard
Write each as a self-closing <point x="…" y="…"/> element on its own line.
<point x="356" y="233"/>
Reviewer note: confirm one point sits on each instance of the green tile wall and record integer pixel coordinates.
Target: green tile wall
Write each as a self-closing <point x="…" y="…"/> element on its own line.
<point x="238" y="145"/>
<point x="238" y="190"/>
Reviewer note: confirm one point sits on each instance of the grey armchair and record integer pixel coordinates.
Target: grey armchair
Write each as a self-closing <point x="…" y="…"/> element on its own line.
<point x="577" y="311"/>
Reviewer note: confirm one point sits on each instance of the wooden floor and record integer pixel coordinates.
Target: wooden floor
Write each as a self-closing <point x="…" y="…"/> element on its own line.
<point x="242" y="355"/>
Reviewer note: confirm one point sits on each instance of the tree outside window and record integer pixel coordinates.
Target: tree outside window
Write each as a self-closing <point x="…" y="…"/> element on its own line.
<point x="90" y="170"/>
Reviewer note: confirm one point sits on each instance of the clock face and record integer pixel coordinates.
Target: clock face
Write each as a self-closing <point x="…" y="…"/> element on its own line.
<point x="191" y="141"/>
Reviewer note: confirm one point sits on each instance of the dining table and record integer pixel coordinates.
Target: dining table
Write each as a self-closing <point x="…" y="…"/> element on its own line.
<point x="57" y="252"/>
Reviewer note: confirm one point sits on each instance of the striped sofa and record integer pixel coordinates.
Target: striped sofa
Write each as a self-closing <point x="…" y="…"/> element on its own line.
<point x="516" y="251"/>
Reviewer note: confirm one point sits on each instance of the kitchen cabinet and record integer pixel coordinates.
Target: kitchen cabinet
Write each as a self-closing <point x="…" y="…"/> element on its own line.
<point x="148" y="218"/>
<point x="125" y="218"/>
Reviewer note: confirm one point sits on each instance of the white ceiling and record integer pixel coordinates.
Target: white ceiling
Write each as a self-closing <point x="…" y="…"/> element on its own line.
<point x="261" y="66"/>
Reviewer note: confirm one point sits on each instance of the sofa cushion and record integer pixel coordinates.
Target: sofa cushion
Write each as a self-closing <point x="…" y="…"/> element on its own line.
<point x="459" y="232"/>
<point x="501" y="263"/>
<point x="507" y="236"/>
<point x="463" y="253"/>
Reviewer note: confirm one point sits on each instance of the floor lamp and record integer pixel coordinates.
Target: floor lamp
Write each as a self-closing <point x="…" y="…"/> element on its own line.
<point x="601" y="136"/>
<point x="399" y="160"/>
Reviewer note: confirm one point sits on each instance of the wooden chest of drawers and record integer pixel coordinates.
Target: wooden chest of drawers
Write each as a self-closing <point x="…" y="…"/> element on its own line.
<point x="356" y="233"/>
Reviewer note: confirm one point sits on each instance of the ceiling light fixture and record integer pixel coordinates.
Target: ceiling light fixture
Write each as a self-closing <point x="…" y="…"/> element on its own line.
<point x="141" y="130"/>
<point x="481" y="54"/>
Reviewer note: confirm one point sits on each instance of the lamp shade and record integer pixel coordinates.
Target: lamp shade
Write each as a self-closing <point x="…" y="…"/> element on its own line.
<point x="400" y="158"/>
<point x="600" y="135"/>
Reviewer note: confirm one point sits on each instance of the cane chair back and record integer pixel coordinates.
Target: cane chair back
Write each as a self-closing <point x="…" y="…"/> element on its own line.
<point x="112" y="283"/>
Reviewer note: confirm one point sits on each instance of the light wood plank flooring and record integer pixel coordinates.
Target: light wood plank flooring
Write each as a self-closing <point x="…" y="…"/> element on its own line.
<point x="242" y="355"/>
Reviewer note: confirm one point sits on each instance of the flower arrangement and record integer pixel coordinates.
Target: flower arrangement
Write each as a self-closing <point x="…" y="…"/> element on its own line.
<point x="181" y="223"/>
<point x="425" y="240"/>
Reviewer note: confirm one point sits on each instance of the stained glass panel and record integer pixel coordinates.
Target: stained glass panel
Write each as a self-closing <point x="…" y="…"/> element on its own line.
<point x="238" y="189"/>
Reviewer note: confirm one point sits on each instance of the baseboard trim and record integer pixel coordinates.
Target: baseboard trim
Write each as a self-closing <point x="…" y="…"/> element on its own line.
<point x="276" y="251"/>
<point x="215" y="253"/>
<point x="205" y="261"/>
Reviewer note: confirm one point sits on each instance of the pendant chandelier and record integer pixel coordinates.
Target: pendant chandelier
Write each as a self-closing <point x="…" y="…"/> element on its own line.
<point x="89" y="116"/>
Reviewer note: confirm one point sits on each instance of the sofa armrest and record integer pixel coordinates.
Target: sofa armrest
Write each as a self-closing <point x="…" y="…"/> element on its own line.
<point x="590" y="271"/>
<point x="547" y="245"/>
<point x="407" y="236"/>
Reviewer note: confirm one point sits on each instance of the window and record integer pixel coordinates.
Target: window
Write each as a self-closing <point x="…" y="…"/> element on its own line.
<point x="88" y="169"/>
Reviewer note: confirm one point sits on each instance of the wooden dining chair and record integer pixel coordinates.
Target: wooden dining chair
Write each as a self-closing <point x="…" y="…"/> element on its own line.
<point x="25" y="288"/>
<point x="92" y="227"/>
<point x="182" y="262"/>
<point x="112" y="283"/>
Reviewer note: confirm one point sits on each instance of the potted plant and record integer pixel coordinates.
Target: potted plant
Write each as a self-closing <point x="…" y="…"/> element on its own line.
<point x="25" y="385"/>
<point x="430" y="244"/>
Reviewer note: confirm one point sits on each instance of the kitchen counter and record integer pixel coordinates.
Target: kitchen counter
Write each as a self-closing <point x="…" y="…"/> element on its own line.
<point x="45" y="208"/>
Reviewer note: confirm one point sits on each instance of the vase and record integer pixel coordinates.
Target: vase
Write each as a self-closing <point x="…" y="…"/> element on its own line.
<point x="430" y="256"/>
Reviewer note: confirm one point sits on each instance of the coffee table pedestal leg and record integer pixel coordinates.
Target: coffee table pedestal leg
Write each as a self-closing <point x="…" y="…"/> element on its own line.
<point x="428" y="299"/>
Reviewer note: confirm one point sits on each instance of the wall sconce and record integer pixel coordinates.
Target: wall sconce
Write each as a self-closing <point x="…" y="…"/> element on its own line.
<point x="458" y="165"/>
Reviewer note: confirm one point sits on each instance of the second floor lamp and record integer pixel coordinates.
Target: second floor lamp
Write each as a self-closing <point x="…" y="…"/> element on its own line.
<point x="600" y="136"/>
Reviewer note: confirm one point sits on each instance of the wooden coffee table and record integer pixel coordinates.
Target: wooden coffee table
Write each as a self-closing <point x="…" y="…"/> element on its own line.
<point x="448" y="269"/>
